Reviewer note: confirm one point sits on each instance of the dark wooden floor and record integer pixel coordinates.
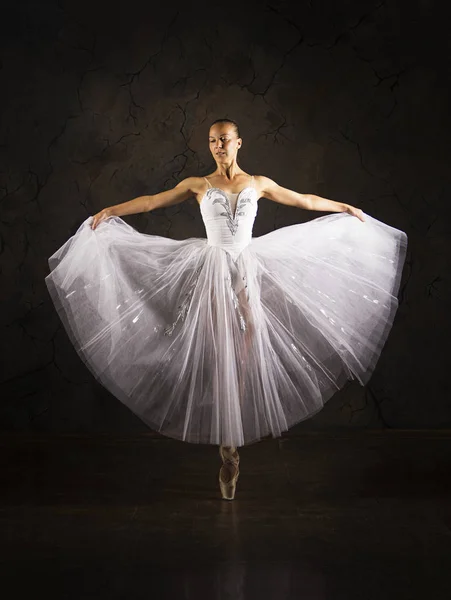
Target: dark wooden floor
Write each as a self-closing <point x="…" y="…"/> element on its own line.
<point x="320" y="516"/>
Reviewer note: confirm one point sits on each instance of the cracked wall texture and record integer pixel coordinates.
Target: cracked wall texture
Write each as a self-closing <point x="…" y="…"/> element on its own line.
<point x="99" y="105"/>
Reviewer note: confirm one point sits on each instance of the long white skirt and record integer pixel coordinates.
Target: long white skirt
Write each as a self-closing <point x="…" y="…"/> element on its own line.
<point x="210" y="350"/>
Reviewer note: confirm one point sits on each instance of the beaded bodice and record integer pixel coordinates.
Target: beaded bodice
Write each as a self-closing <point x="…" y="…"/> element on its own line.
<point x="229" y="218"/>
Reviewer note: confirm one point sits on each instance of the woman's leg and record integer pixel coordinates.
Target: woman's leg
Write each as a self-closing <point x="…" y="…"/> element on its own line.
<point x="247" y="339"/>
<point x="229" y="472"/>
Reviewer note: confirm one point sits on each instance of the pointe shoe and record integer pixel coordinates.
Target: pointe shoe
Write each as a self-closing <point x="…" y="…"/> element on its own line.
<point x="227" y="482"/>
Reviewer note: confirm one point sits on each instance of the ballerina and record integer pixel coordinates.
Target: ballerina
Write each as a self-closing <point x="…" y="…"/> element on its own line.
<point x="228" y="339"/>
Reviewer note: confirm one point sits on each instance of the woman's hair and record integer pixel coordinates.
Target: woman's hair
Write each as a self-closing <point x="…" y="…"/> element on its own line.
<point x="231" y="121"/>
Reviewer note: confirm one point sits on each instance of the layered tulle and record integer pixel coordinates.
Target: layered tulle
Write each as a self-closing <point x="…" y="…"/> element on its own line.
<point x="211" y="349"/>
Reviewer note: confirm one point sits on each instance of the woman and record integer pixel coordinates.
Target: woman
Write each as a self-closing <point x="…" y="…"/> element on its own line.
<point x="229" y="339"/>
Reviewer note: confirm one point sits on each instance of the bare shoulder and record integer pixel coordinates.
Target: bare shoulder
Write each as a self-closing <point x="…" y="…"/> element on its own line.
<point x="265" y="186"/>
<point x="271" y="190"/>
<point x="193" y="186"/>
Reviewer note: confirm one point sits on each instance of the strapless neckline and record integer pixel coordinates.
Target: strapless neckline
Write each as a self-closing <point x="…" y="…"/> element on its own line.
<point x="238" y="194"/>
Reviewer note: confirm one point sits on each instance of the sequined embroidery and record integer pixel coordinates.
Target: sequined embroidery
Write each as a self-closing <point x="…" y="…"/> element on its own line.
<point x="245" y="286"/>
<point x="235" y="300"/>
<point x="184" y="306"/>
<point x="232" y="221"/>
<point x="236" y="304"/>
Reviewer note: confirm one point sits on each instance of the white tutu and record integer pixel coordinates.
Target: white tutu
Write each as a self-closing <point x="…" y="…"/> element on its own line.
<point x="228" y="339"/>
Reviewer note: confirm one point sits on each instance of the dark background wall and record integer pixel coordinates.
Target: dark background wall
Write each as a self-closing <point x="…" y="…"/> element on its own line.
<point x="101" y="103"/>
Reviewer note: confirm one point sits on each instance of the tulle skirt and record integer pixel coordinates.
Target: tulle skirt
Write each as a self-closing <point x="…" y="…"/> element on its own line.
<point x="208" y="349"/>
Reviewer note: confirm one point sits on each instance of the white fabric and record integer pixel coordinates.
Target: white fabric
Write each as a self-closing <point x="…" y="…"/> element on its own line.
<point x="228" y="339"/>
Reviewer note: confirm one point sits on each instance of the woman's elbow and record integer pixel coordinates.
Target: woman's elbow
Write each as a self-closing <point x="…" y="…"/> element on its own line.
<point x="306" y="201"/>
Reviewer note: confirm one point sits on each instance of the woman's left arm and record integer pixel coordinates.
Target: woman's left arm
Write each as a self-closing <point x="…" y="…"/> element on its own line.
<point x="271" y="190"/>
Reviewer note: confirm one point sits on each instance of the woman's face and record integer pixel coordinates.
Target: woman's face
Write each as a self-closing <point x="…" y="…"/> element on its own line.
<point x="224" y="143"/>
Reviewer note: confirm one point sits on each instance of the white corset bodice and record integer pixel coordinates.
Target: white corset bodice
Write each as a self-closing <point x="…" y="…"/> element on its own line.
<point x="229" y="218"/>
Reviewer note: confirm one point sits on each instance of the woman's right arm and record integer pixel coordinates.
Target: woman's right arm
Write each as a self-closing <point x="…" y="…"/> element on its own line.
<point x="182" y="191"/>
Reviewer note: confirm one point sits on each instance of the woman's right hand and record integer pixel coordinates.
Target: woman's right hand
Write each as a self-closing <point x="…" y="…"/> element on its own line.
<point x="104" y="214"/>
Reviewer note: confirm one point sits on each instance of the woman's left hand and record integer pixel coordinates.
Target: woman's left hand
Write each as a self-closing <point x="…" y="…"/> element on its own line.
<point x="355" y="212"/>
